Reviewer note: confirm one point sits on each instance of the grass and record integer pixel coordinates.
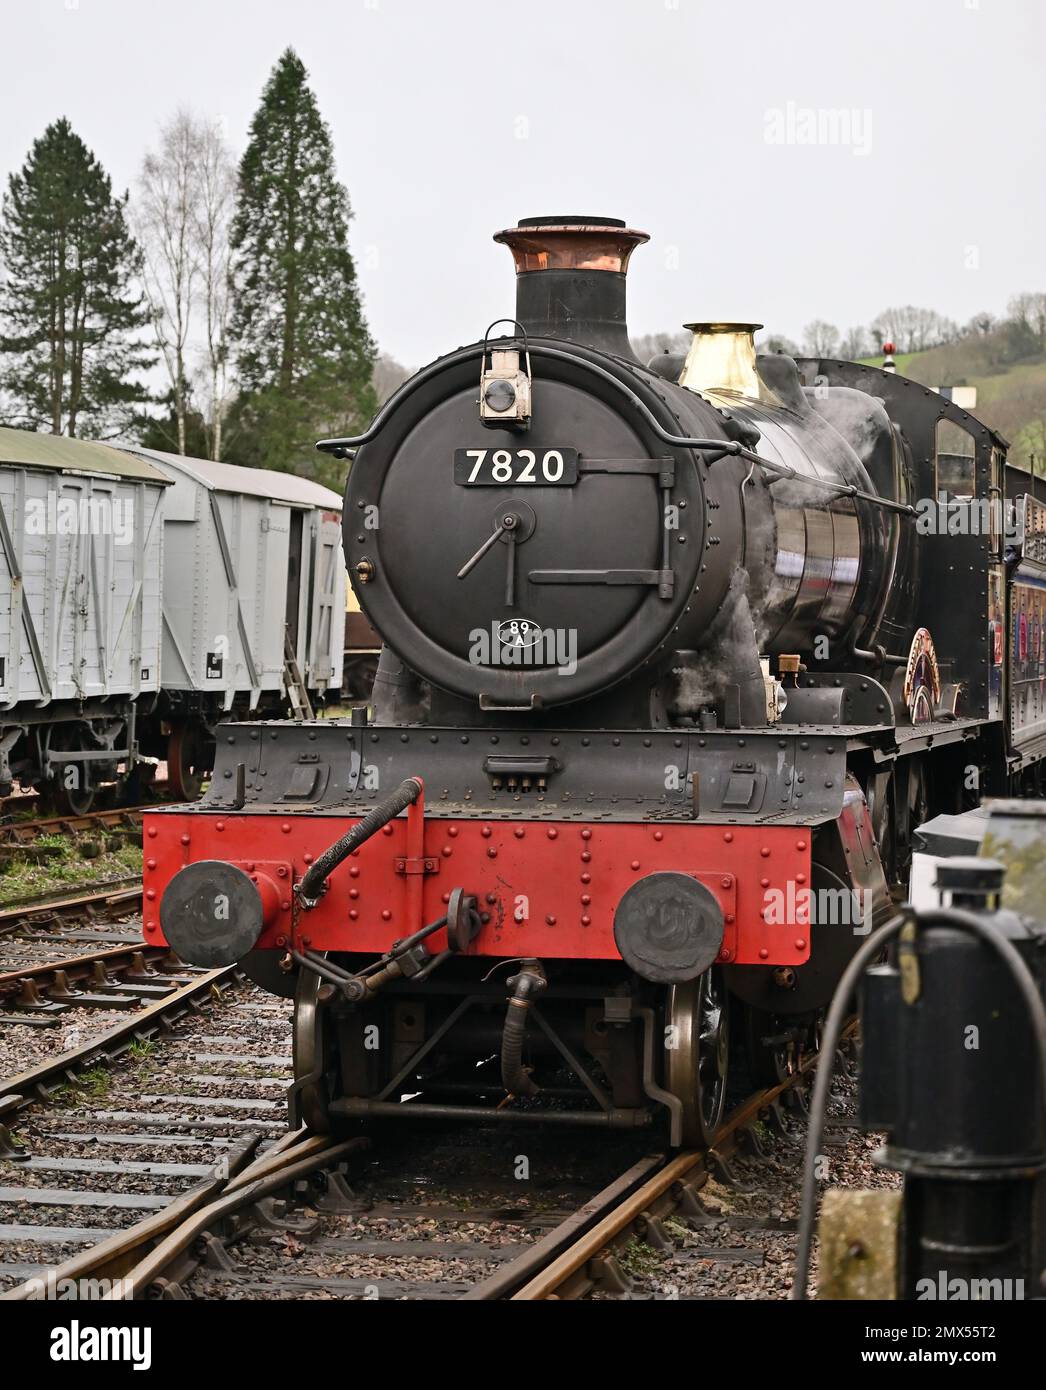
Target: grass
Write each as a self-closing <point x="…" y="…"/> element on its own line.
<point x="74" y="863"/>
<point x="1011" y="398"/>
<point x="638" y="1258"/>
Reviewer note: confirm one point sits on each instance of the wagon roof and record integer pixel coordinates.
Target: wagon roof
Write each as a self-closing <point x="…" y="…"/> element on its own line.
<point x="258" y="482"/>
<point x="59" y="452"/>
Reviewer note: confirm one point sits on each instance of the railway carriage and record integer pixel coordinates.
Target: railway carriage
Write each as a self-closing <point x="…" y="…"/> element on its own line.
<point x="144" y="597"/>
<point x="676" y="658"/>
<point x="81" y="597"/>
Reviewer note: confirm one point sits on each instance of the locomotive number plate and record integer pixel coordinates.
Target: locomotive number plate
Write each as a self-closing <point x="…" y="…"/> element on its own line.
<point x="501" y="467"/>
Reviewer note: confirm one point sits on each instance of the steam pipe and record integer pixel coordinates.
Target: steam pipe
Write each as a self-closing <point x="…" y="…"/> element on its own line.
<point x="311" y="886"/>
<point x="719" y="447"/>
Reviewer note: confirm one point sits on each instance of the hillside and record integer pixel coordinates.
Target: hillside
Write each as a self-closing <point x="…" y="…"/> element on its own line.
<point x="1011" y="398"/>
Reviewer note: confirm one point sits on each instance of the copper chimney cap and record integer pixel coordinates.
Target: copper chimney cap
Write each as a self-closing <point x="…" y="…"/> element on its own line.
<point x="571" y="243"/>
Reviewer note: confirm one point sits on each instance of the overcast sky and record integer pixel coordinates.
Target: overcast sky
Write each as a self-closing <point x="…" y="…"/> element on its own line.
<point x="688" y="118"/>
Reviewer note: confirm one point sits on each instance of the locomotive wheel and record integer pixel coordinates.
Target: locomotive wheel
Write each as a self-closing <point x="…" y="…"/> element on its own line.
<point x="315" y="1054"/>
<point x="768" y="1064"/>
<point x="186" y="757"/>
<point x="698" y="1053"/>
<point x="881" y="812"/>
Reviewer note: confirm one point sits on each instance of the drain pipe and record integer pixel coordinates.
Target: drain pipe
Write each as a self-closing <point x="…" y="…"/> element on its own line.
<point x="525" y="987"/>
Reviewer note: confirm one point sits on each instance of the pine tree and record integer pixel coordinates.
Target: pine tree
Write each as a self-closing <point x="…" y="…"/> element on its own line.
<point x="70" y="312"/>
<point x="304" y="353"/>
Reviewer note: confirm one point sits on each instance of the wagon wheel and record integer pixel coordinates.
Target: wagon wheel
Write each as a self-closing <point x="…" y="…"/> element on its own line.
<point x="74" y="801"/>
<point x="71" y="800"/>
<point x="697" y="1053"/>
<point x="187" y="761"/>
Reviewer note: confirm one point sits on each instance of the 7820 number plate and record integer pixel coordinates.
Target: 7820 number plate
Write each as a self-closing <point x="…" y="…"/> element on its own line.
<point x="509" y="467"/>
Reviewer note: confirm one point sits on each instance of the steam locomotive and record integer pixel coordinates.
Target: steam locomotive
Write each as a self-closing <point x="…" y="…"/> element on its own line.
<point x="676" y="658"/>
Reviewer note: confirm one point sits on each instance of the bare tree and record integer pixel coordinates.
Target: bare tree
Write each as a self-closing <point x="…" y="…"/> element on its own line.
<point x="854" y="345"/>
<point x="212" y="216"/>
<point x="820" y="339"/>
<point x="389" y="376"/>
<point x="776" y="344"/>
<point x="184" y="208"/>
<point x="1029" y="310"/>
<point x="164" y="219"/>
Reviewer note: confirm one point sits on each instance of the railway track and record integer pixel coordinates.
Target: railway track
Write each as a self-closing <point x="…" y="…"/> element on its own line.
<point x="19" y="834"/>
<point x="293" y="1223"/>
<point x="131" y="1121"/>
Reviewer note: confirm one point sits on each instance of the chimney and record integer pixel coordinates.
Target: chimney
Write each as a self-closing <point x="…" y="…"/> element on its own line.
<point x="570" y="278"/>
<point x="722" y="358"/>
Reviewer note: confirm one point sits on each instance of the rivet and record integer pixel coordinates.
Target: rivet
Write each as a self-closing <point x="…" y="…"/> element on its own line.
<point x="551" y="920"/>
<point x="800" y="943"/>
<point x="586" y="898"/>
<point x="386" y="829"/>
<point x="452" y="830"/>
<point x="553" y="834"/>
<point x="485" y="832"/>
<point x="308" y="859"/>
<point x="764" y="883"/>
<point x="185" y="839"/>
<point x="586" y="834"/>
<point x="446" y="897"/>
<point x="285" y="828"/>
<point x="586" y="878"/>
<point x="728" y="836"/>
<point x="152" y="832"/>
<point x="586" y="856"/>
<point x="659" y="834"/>
<point x="765" y="852"/>
<point x="220" y="825"/>
<point x="354" y="892"/>
<point x="386" y="915"/>
<point x="586" y="921"/>
<point x="724" y="883"/>
<point x="353" y="913"/>
<point x="150" y="863"/>
<point x="446" y="851"/>
<point x="150" y="926"/>
<point x="764" y="954"/>
<point x="800" y="844"/>
<point x="800" y="878"/>
<point x="519" y="832"/>
<point x="635" y="863"/>
<point x="492" y="853"/>
<point x="286" y="906"/>
<point x="354" y="871"/>
<point x="150" y="893"/>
